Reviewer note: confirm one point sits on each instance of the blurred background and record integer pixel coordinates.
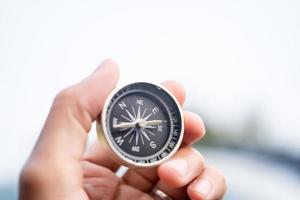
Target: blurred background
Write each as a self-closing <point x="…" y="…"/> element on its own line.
<point x="239" y="62"/>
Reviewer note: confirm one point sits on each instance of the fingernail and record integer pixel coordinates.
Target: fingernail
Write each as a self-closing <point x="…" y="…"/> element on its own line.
<point x="202" y="186"/>
<point x="179" y="165"/>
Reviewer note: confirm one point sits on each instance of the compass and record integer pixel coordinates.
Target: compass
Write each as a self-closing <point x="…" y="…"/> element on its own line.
<point x="142" y="124"/>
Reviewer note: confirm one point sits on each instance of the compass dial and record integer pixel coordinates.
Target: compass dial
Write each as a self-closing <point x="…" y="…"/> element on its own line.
<point x="142" y="123"/>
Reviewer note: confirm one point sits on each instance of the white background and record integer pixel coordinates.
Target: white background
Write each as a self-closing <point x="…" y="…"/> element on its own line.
<point x="235" y="58"/>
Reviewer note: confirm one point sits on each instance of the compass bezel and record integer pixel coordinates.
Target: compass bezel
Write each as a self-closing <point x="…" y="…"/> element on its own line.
<point x="127" y="161"/>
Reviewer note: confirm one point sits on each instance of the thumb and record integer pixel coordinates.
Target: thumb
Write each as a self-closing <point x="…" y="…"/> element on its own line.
<point x="73" y="111"/>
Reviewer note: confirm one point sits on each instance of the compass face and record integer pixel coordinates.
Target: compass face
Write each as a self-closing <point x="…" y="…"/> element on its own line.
<point x="143" y="123"/>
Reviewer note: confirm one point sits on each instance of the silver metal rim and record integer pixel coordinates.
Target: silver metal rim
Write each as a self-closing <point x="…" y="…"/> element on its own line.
<point x="125" y="160"/>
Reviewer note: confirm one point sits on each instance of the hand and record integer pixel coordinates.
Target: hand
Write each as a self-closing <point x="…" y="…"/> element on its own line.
<point x="60" y="168"/>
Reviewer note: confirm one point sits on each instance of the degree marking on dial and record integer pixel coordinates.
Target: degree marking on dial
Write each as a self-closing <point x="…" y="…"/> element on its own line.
<point x="135" y="148"/>
<point x="159" y="128"/>
<point x="119" y="140"/>
<point x="140" y="102"/>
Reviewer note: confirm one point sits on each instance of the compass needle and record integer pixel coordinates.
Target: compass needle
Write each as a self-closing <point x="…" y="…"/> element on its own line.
<point x="153" y="122"/>
<point x="124" y="125"/>
<point x="149" y="126"/>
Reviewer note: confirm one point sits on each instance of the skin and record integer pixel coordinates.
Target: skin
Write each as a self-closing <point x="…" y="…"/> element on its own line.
<point x="61" y="168"/>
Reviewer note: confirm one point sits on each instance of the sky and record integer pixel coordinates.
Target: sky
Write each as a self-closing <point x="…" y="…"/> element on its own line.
<point x="236" y="59"/>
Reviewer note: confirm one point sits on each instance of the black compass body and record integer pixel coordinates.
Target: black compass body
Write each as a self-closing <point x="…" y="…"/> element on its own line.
<point x="142" y="123"/>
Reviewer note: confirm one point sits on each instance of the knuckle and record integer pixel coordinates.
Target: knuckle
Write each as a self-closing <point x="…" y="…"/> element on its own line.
<point x="39" y="173"/>
<point x="219" y="174"/>
<point x="72" y="103"/>
<point x="31" y="175"/>
<point x="199" y="156"/>
<point x="203" y="127"/>
<point x="65" y="96"/>
<point x="223" y="181"/>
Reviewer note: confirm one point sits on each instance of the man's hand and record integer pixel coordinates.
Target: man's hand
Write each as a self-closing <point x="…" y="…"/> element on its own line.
<point x="61" y="168"/>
